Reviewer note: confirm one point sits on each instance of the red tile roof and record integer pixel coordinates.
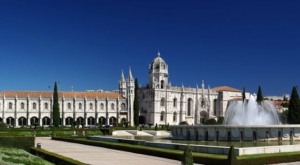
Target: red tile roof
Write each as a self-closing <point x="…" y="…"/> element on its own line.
<point x="226" y="88"/>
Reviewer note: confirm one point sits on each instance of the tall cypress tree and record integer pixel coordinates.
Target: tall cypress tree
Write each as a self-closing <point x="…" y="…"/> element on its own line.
<point x="259" y="97"/>
<point x="187" y="157"/>
<point x="244" y="94"/>
<point x="56" y="116"/>
<point x="294" y="108"/>
<point x="136" y="104"/>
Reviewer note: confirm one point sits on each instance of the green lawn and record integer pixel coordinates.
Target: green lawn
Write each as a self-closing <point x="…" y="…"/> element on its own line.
<point x="48" y="132"/>
<point x="9" y="156"/>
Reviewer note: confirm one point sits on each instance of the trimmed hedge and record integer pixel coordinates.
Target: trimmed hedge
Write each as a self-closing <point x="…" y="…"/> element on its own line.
<point x="208" y="159"/>
<point x="47" y="132"/>
<point x="20" y="142"/>
<point x="54" y="158"/>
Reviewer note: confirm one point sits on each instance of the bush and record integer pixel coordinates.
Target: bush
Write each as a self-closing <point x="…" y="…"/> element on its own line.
<point x="3" y="125"/>
<point x="231" y="159"/>
<point x="183" y="123"/>
<point x="54" y="158"/>
<point x="20" y="142"/>
<point x="187" y="158"/>
<point x="210" y="122"/>
<point x="220" y="120"/>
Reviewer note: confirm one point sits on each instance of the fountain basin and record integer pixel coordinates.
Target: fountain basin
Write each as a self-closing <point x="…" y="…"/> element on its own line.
<point x="235" y="133"/>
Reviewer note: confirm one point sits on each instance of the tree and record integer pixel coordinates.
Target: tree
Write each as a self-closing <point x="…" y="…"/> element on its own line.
<point x="56" y="114"/>
<point x="220" y="120"/>
<point x="259" y="97"/>
<point x="294" y="108"/>
<point x="231" y="159"/>
<point x="187" y="158"/>
<point x="210" y="122"/>
<point x="136" y="104"/>
<point x="244" y="94"/>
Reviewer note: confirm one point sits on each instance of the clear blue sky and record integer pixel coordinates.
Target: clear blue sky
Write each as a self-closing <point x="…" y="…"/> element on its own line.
<point x="86" y="43"/>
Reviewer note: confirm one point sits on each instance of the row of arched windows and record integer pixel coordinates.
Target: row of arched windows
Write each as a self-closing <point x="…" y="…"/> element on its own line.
<point x="91" y="106"/>
<point x="46" y="106"/>
<point x="34" y="106"/>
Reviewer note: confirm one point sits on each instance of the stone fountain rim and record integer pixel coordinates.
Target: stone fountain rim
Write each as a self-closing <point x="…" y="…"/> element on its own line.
<point x="240" y="126"/>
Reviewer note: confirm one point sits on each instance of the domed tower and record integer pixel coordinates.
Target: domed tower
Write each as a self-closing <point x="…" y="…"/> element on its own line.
<point x="158" y="73"/>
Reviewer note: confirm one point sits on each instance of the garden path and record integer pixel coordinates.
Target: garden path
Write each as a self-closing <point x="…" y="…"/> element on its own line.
<point x="98" y="155"/>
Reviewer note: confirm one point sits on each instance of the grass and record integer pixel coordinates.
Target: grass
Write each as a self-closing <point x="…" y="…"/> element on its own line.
<point x="27" y="132"/>
<point x="10" y="156"/>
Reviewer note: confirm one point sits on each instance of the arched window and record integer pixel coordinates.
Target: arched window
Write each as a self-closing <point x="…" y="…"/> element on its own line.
<point x="174" y="116"/>
<point x="22" y="106"/>
<point x="9" y="105"/>
<point x="162" y="102"/>
<point x="33" y="105"/>
<point x="190" y="105"/>
<point x="162" y="116"/>
<point x="162" y="84"/>
<point x="46" y="106"/>
<point x="175" y="102"/>
<point x="80" y="106"/>
<point x="91" y="106"/>
<point x="69" y="106"/>
<point x="112" y="106"/>
<point x="123" y="107"/>
<point x="102" y="106"/>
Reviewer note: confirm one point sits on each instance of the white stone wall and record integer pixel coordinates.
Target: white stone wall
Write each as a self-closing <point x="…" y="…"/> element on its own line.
<point x="40" y="111"/>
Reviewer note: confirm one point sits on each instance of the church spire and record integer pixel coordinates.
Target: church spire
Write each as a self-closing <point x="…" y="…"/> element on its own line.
<point x="130" y="77"/>
<point x="122" y="76"/>
<point x="158" y="54"/>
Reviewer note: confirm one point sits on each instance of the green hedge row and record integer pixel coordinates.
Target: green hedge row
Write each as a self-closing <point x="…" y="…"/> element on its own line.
<point x="54" y="158"/>
<point x="165" y="153"/>
<point x="17" y="142"/>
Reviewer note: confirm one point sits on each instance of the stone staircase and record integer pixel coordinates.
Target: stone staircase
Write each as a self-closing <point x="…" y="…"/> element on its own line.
<point x="140" y="133"/>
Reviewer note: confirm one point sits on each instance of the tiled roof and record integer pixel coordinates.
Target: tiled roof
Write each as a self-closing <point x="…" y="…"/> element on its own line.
<point x="48" y="94"/>
<point x="226" y="88"/>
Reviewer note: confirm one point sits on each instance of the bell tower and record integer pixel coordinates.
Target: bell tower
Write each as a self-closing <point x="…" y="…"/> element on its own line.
<point x="158" y="73"/>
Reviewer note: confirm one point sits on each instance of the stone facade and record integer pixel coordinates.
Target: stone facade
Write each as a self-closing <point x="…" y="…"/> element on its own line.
<point x="162" y="103"/>
<point x="24" y="108"/>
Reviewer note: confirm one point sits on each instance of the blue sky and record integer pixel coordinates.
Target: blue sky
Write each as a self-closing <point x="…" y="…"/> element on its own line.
<point x="86" y="44"/>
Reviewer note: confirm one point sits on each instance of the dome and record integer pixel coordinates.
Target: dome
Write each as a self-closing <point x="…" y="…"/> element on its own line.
<point x="158" y="62"/>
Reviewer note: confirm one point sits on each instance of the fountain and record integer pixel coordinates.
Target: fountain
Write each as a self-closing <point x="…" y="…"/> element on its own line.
<point x="244" y="121"/>
<point x="251" y="113"/>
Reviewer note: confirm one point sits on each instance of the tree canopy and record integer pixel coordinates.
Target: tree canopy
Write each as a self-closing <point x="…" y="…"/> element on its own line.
<point x="56" y="114"/>
<point x="136" y="104"/>
<point x="259" y="97"/>
<point x="294" y="108"/>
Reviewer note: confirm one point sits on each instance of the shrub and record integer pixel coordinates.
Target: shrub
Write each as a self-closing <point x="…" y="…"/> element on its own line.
<point x="183" y="123"/>
<point x="54" y="158"/>
<point x="187" y="158"/>
<point x="231" y="159"/>
<point x="17" y="142"/>
<point x="210" y="122"/>
<point x="3" y="125"/>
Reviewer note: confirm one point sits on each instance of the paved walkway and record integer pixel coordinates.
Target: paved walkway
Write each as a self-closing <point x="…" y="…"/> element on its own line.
<point x="98" y="155"/>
